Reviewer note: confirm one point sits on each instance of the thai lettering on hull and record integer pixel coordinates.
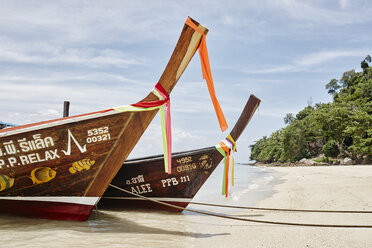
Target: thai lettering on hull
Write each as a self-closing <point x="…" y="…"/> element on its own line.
<point x="37" y="150"/>
<point x="10" y="151"/>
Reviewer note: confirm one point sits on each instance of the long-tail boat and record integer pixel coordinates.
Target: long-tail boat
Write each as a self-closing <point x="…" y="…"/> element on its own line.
<point x="190" y="169"/>
<point x="59" y="169"/>
<point x="5" y="125"/>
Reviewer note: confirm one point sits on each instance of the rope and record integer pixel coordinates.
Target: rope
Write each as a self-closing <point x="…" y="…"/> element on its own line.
<point x="241" y="219"/>
<point x="285" y="209"/>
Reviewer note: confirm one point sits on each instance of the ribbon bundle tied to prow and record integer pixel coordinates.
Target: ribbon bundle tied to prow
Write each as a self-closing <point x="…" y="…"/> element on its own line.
<point x="227" y="147"/>
<point x="207" y="75"/>
<point x="162" y="103"/>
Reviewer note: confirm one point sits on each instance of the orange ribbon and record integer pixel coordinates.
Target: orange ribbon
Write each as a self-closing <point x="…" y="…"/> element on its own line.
<point x="207" y="75"/>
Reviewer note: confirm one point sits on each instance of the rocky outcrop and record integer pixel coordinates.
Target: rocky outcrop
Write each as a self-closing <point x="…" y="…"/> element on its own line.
<point x="347" y="161"/>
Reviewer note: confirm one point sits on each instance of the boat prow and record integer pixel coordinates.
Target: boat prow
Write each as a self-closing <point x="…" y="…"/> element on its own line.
<point x="59" y="169"/>
<point x="144" y="176"/>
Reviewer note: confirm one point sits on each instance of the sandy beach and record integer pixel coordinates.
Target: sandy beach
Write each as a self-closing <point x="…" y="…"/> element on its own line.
<point x="315" y="187"/>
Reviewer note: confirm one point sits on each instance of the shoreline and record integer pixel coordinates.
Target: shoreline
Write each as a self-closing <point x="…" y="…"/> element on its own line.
<point x="302" y="187"/>
<point x="300" y="164"/>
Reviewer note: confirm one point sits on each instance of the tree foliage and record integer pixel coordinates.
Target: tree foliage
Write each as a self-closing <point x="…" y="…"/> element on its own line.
<point x="340" y="128"/>
<point x="330" y="149"/>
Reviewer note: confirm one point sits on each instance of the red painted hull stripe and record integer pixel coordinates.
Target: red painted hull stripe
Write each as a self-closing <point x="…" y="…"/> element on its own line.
<point x="46" y="210"/>
<point x="54" y="120"/>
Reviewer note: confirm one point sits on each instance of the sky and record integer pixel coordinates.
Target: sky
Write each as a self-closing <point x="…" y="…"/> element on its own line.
<point x="102" y="54"/>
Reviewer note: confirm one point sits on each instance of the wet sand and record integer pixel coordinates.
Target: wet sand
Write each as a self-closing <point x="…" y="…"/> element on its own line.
<point x="316" y="187"/>
<point x="139" y="228"/>
<point x="321" y="187"/>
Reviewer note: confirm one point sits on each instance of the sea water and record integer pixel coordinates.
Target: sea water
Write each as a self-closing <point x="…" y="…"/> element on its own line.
<point x="251" y="185"/>
<point x="142" y="228"/>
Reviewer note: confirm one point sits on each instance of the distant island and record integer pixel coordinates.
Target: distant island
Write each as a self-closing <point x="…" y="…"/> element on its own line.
<point x="335" y="132"/>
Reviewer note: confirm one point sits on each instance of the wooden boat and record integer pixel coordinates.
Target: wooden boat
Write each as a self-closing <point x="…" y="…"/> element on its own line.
<point x="6" y="125"/>
<point x="59" y="169"/>
<point x="144" y="176"/>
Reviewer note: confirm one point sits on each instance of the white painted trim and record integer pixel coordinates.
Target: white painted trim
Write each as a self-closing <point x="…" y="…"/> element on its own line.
<point x="83" y="200"/>
<point x="168" y="199"/>
<point x="57" y="123"/>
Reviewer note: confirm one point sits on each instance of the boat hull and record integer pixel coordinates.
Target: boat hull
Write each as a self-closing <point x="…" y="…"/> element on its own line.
<point x="78" y="156"/>
<point x="190" y="170"/>
<point x="138" y="203"/>
<point x="146" y="177"/>
<point x="59" y="160"/>
<point x="67" y="209"/>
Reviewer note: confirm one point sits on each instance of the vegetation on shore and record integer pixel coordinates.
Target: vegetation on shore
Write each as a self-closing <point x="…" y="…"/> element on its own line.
<point x="339" y="129"/>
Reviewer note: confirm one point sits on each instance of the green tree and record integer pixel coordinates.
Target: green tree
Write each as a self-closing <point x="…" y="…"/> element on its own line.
<point x="333" y="87"/>
<point x="342" y="127"/>
<point x="364" y="64"/>
<point x="304" y="113"/>
<point x="330" y="149"/>
<point x="289" y="118"/>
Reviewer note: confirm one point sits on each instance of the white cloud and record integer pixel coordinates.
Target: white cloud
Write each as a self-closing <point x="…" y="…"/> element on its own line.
<point x="50" y="113"/>
<point x="344" y="4"/>
<point x="320" y="12"/>
<point x="91" y="22"/>
<point x="100" y="54"/>
<point x="310" y="62"/>
<point x="31" y="95"/>
<point x="182" y="140"/>
<point x="48" y="55"/>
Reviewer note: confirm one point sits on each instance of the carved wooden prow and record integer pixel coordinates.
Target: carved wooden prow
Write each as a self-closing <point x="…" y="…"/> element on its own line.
<point x="246" y="115"/>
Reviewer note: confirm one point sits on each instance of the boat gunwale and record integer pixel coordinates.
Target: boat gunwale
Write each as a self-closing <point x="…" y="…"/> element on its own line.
<point x="55" y="122"/>
<point x="161" y="156"/>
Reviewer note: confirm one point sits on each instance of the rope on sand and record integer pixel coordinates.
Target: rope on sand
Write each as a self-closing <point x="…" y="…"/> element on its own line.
<point x="241" y="219"/>
<point x="285" y="209"/>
